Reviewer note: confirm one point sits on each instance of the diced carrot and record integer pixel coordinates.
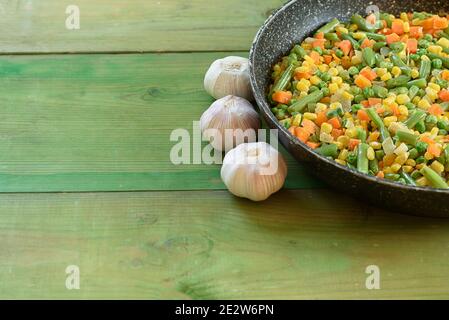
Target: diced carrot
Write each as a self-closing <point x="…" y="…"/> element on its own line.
<point x="384" y="24"/>
<point x="416" y="32"/>
<point x="368" y="73"/>
<point x="362" y="82"/>
<point x="346" y="62"/>
<point x="362" y="115"/>
<point x="435" y="109"/>
<point x="444" y="95"/>
<point x="315" y="56"/>
<point x="427" y="140"/>
<point x="327" y="59"/>
<point x="367" y="43"/>
<point x="326" y="100"/>
<point x="321" y="118"/>
<point x="374" y="136"/>
<point x="381" y="165"/>
<point x="380" y="175"/>
<point x="302" y="75"/>
<point x="440" y="23"/>
<point x="292" y="129"/>
<point x="434" y="150"/>
<point x="395" y="109"/>
<point x="380" y="110"/>
<point x="336" y="133"/>
<point x="318" y="43"/>
<point x="404" y="38"/>
<point x="428" y="23"/>
<point x="412" y="45"/>
<point x="302" y="134"/>
<point x="445" y="75"/>
<point x="392" y="38"/>
<point x="374" y="101"/>
<point x="319" y="35"/>
<point x="386" y="31"/>
<point x="365" y="103"/>
<point x="353" y="143"/>
<point x="335" y="122"/>
<point x="313" y="145"/>
<point x="345" y="46"/>
<point x="309" y="125"/>
<point x="283" y="97"/>
<point x="398" y="26"/>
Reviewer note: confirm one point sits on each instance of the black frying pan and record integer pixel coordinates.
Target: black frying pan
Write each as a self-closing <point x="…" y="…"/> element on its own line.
<point x="290" y="25"/>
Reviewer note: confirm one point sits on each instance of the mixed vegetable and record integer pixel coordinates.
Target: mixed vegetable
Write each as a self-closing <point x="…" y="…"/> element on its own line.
<point x="373" y="95"/>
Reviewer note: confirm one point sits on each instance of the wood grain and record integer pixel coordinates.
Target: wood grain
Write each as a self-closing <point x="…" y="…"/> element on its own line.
<point x="33" y="26"/>
<point x="211" y="245"/>
<point x="103" y="123"/>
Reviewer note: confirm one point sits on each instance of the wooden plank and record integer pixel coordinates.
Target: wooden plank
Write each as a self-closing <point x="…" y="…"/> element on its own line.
<point x="103" y="123"/>
<point x="133" y="25"/>
<point x="211" y="245"/>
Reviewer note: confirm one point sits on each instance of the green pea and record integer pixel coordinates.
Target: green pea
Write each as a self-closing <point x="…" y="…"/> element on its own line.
<point x="442" y="132"/>
<point x="420" y="160"/>
<point x="313" y="89"/>
<point x="339" y="53"/>
<point x="423" y="43"/>
<point x="356" y="107"/>
<point x="413" y="153"/>
<point x="319" y="50"/>
<point x="359" y="98"/>
<point x="437" y="63"/>
<point x="420" y="127"/>
<point x="353" y="71"/>
<point x="415" y="57"/>
<point x="326" y="77"/>
<point x="421" y="147"/>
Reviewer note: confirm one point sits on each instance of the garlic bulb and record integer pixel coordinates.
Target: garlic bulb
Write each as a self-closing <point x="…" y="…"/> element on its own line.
<point x="254" y="171"/>
<point x="229" y="76"/>
<point x="228" y="122"/>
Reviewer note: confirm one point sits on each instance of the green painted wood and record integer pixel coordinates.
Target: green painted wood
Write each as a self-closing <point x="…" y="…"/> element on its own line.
<point x="103" y="123"/>
<point x="134" y="26"/>
<point x="211" y="245"/>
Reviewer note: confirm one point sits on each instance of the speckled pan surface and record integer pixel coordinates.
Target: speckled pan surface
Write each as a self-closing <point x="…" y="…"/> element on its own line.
<point x="290" y="25"/>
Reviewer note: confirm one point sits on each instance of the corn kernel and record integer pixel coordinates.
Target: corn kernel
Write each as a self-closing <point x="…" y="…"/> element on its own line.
<point x="341" y="30"/>
<point x="422" y="182"/>
<point x="437" y="167"/>
<point x="402" y="99"/>
<point x="315" y="80"/>
<point x="386" y="77"/>
<point x="303" y="94"/>
<point x="310" y="116"/>
<point x="344" y="140"/>
<point x="407" y="169"/>
<point x="347" y="96"/>
<point x="389" y="159"/>
<point x="406" y="27"/>
<point x="342" y="162"/>
<point x="333" y="88"/>
<point x="351" y="133"/>
<point x="376" y="145"/>
<point x="435" y="49"/>
<point x="333" y="72"/>
<point x="402" y="158"/>
<point x="420" y="166"/>
<point x="337" y="80"/>
<point x="326" y="137"/>
<point x="297" y="120"/>
<point x="309" y="60"/>
<point x="415" y="73"/>
<point x="404" y="17"/>
<point x="355" y="60"/>
<point x="390" y="100"/>
<point x="387" y="170"/>
<point x="416" y="100"/>
<point x="381" y="71"/>
<point x="432" y="94"/>
<point x="428" y="156"/>
<point x="323" y="67"/>
<point x="390" y="120"/>
<point x="343" y="154"/>
<point x="443" y="42"/>
<point x="410" y="162"/>
<point x="335" y="105"/>
<point x="434" y="87"/>
<point x="370" y="154"/>
<point x="396" y="71"/>
<point x="424" y="104"/>
<point x="326" y="127"/>
<point x="302" y="86"/>
<point x="320" y="107"/>
<point x="395" y="167"/>
<point x="434" y="132"/>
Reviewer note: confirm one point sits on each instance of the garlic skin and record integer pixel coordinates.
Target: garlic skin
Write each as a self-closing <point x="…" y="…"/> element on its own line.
<point x="254" y="171"/>
<point x="225" y="121"/>
<point x="229" y="76"/>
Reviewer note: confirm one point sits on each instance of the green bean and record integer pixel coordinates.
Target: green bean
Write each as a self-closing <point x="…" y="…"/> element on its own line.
<point x="381" y="92"/>
<point x="417" y="116"/>
<point x="425" y="68"/>
<point x="397" y="61"/>
<point x="444" y="106"/>
<point x="413" y="91"/>
<point x="355" y="44"/>
<point x="328" y="150"/>
<point x="434" y="178"/>
<point x="420" y="83"/>
<point x="398" y="82"/>
<point x="374" y="165"/>
<point x="368" y="57"/>
<point x="407" y="137"/>
<point x="300" y="51"/>
<point x="379" y="45"/>
<point x="376" y="36"/>
<point x="363" y="24"/>
<point x="284" y="79"/>
<point x="332" y="36"/>
<point x="362" y="160"/>
<point x="392" y="176"/>
<point x="299" y="106"/>
<point x="409" y="180"/>
<point x="444" y="59"/>
<point x="387" y="18"/>
<point x="329" y="27"/>
<point x="384" y="134"/>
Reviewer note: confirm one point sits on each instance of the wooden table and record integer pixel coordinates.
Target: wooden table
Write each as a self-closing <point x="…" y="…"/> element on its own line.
<point x="86" y="179"/>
